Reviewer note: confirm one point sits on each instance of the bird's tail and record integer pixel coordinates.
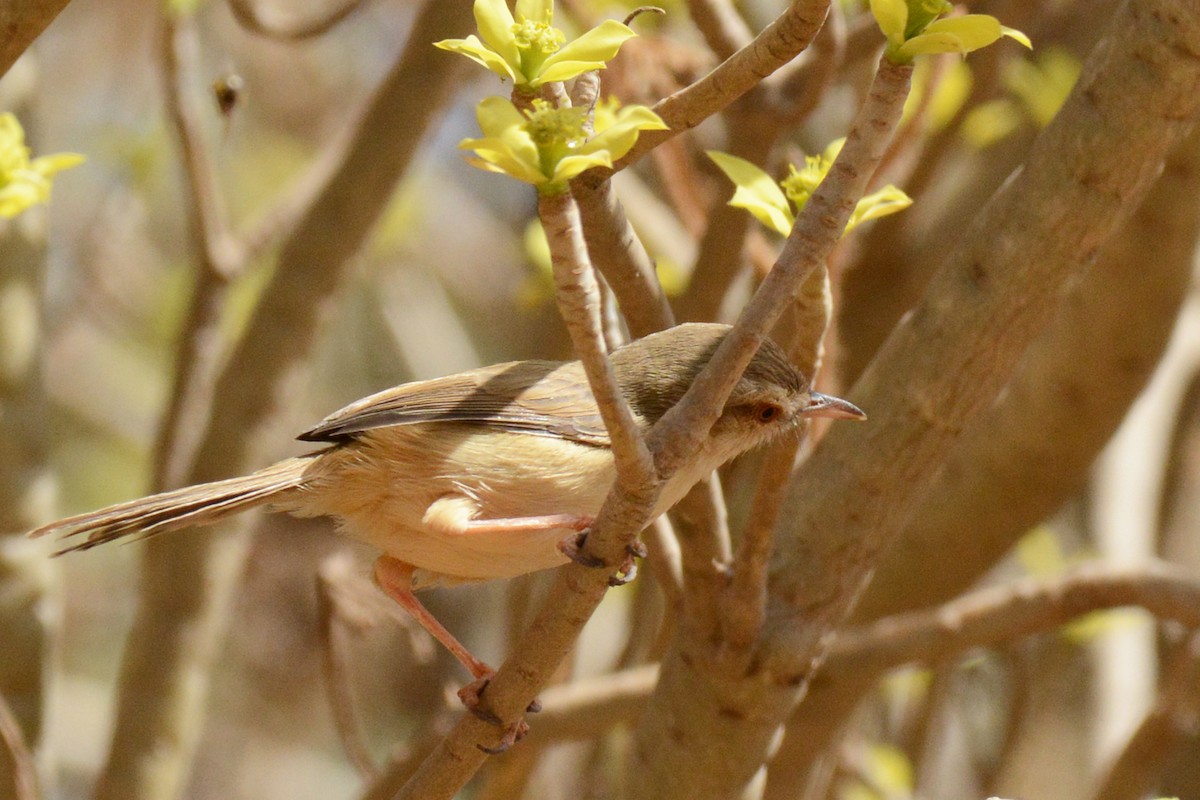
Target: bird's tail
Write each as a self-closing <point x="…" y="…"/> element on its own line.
<point x="202" y="504"/>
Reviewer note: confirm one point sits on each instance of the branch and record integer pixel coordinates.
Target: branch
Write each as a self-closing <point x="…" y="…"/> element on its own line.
<point x="817" y="229"/>
<point x="1029" y="452"/>
<point x="714" y="717"/>
<point x="1173" y="720"/>
<point x="23" y="21"/>
<point x="948" y="359"/>
<point x="1026" y="454"/>
<point x="721" y="26"/>
<point x="579" y="303"/>
<point x="620" y="256"/>
<point x="1006" y="612"/>
<point x="215" y="256"/>
<point x="987" y="617"/>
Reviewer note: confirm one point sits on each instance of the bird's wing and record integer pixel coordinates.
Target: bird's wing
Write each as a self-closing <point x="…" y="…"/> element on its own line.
<point x="543" y="398"/>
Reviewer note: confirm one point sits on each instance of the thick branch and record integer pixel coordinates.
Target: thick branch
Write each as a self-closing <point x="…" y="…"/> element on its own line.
<point x="946" y="361"/>
<point x="1026" y="454"/>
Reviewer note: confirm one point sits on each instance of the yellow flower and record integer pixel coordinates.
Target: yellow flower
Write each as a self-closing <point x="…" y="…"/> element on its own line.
<point x="526" y="49"/>
<point x="913" y="29"/>
<point x="776" y="204"/>
<point x="547" y="146"/>
<point x="23" y="182"/>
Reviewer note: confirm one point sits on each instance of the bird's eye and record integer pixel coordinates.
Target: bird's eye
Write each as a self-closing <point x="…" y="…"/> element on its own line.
<point x="767" y="412"/>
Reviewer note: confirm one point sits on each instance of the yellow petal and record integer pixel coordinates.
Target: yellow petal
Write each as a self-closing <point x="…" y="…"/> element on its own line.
<point x="572" y="166"/>
<point x="619" y="137"/>
<point x="55" y="163"/>
<point x="497" y="114"/>
<point x="593" y="50"/>
<point x="962" y="35"/>
<point x="1016" y="35"/>
<point x="536" y="10"/>
<point x="892" y="17"/>
<point x="882" y="203"/>
<point x="495" y="23"/>
<point x="473" y="49"/>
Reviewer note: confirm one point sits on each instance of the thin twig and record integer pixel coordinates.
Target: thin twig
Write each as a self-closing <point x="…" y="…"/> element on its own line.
<point x="1005" y="612"/>
<point x="578" y="295"/>
<point x="618" y="253"/>
<point x="405" y="760"/>
<point x="781" y="41"/>
<point x="721" y="26"/>
<point x="578" y="590"/>
<point x="216" y="258"/>
<point x="744" y="602"/>
<point x="702" y="525"/>
<point x="662" y="547"/>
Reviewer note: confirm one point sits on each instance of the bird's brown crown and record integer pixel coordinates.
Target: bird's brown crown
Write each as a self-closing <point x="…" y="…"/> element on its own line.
<point x="666" y="363"/>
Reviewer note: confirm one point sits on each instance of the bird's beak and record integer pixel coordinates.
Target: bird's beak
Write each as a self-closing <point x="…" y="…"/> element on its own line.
<point x="824" y="405"/>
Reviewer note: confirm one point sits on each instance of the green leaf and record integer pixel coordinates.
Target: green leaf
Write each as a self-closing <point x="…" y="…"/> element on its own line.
<point x="757" y="192"/>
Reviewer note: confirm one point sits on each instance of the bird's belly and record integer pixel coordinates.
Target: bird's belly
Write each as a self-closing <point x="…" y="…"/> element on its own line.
<point x="445" y="559"/>
<point x="379" y="489"/>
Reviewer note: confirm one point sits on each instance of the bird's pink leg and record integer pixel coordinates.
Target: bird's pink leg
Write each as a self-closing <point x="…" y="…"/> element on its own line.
<point x="395" y="578"/>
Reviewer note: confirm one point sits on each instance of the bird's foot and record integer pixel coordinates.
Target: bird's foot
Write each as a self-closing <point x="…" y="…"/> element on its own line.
<point x="626" y="570"/>
<point x="471" y="694"/>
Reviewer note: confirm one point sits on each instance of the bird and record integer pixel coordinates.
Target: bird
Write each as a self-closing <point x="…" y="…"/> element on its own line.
<point x="484" y="474"/>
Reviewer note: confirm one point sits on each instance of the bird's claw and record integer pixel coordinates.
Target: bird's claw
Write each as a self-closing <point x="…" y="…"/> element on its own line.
<point x="628" y="569"/>
<point x="514" y="732"/>
<point x="572" y="548"/>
